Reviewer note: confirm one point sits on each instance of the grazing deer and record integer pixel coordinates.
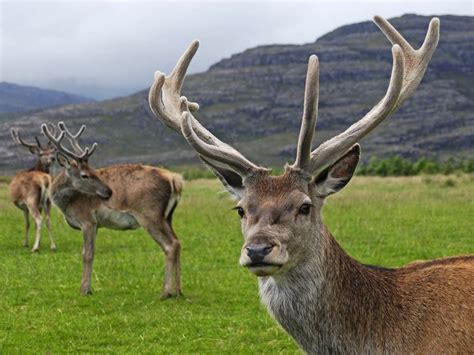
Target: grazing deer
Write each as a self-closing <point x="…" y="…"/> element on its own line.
<point x="29" y="189"/>
<point x="327" y="301"/>
<point x="118" y="197"/>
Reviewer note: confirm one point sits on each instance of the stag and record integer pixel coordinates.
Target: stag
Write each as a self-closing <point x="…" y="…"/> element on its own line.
<point x="29" y="189"/>
<point x="120" y="197"/>
<point x="327" y="301"/>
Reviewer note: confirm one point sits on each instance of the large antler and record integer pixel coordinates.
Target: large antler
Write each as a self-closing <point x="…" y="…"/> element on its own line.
<point x="74" y="139"/>
<point x="32" y="146"/>
<point x="409" y="66"/>
<point x="175" y="111"/>
<point x="310" y="114"/>
<point x="80" y="154"/>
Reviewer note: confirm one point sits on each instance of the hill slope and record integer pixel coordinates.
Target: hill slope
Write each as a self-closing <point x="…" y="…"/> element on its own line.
<point x="18" y="98"/>
<point x="254" y="101"/>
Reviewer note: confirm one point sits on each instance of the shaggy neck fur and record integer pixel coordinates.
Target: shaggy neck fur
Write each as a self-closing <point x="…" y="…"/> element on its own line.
<point x="62" y="191"/>
<point x="330" y="303"/>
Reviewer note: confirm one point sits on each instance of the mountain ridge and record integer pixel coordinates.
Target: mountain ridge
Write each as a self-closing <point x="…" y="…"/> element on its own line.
<point x="16" y="98"/>
<point x="254" y="100"/>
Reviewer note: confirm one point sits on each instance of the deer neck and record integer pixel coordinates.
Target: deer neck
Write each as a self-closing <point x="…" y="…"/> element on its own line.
<point x="329" y="302"/>
<point x="62" y="191"/>
<point x="40" y="167"/>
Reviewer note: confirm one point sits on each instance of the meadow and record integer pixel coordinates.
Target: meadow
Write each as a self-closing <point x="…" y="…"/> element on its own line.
<point x="384" y="221"/>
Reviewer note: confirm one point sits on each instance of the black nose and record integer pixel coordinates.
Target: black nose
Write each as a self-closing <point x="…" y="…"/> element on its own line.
<point x="257" y="252"/>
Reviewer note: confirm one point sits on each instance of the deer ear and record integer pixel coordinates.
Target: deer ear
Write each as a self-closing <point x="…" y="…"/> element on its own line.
<point x="230" y="179"/>
<point x="63" y="160"/>
<point x="339" y="174"/>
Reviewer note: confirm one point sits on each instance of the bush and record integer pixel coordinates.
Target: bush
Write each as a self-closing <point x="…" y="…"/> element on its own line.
<point x="398" y="166"/>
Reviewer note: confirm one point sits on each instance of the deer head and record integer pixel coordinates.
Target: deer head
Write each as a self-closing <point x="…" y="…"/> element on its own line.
<point x="281" y="215"/>
<point x="45" y="154"/>
<point x="82" y="176"/>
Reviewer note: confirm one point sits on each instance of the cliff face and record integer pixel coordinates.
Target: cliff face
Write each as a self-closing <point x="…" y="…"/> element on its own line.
<point x="254" y="101"/>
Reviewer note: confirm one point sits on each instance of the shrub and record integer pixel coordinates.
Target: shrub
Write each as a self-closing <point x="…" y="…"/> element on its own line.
<point x="398" y="166"/>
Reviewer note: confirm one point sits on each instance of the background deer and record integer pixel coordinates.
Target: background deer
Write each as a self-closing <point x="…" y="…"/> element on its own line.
<point x="29" y="189"/>
<point x="327" y="301"/>
<point x="118" y="197"/>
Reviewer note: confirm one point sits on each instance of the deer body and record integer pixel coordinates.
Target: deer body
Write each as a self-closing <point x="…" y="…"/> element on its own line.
<point x="142" y="196"/>
<point x="120" y="197"/>
<point x="29" y="191"/>
<point x="133" y="193"/>
<point x="327" y="301"/>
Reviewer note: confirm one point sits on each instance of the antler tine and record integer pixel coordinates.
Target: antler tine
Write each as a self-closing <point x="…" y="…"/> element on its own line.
<point x="51" y="136"/>
<point x="168" y="106"/>
<point x="409" y="66"/>
<point x="179" y="72"/>
<point x="17" y="139"/>
<point x="62" y="127"/>
<point x="52" y="128"/>
<point x="73" y="138"/>
<point x="416" y="61"/>
<point x="91" y="150"/>
<point x="170" y="113"/>
<point x="236" y="162"/>
<point x="38" y="142"/>
<point x="56" y="141"/>
<point x="310" y="114"/>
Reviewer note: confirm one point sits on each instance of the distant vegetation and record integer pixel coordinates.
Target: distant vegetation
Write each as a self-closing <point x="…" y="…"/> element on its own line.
<point x="392" y="166"/>
<point x="398" y="166"/>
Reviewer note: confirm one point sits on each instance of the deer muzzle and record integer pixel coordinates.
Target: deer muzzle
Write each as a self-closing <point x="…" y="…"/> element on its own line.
<point x="263" y="256"/>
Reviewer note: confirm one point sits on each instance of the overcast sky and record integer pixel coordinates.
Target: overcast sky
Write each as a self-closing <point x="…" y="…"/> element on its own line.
<point x="108" y="49"/>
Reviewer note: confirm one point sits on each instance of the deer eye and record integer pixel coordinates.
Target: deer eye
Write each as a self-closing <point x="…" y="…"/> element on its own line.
<point x="305" y="208"/>
<point x="240" y="211"/>
<point x="84" y="176"/>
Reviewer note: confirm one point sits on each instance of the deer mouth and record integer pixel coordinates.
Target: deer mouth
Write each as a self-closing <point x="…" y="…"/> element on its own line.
<point x="262" y="264"/>
<point x="262" y="268"/>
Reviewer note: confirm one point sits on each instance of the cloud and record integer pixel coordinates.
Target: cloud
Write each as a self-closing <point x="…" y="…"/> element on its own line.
<point x="106" y="49"/>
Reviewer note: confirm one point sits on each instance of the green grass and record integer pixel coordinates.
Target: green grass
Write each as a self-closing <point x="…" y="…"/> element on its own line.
<point x="386" y="221"/>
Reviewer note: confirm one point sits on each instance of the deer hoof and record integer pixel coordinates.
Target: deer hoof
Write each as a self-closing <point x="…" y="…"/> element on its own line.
<point x="87" y="292"/>
<point x="35" y="250"/>
<point x="54" y="248"/>
<point x="167" y="294"/>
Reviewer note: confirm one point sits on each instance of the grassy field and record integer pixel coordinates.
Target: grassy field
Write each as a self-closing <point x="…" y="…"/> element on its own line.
<point x="385" y="221"/>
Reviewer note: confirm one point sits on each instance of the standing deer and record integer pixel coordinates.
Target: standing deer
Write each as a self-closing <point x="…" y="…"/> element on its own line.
<point x="29" y="189"/>
<point x="327" y="301"/>
<point x="118" y="197"/>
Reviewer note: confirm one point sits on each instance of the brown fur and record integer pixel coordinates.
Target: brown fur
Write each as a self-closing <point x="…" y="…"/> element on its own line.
<point x="141" y="197"/>
<point x="330" y="302"/>
<point x="29" y="191"/>
<point x="418" y="308"/>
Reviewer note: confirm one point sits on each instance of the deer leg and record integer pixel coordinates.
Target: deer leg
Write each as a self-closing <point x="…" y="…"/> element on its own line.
<point x="177" y="257"/>
<point x="26" y="214"/>
<point x="170" y="246"/>
<point x="36" y="213"/>
<point x="47" y="212"/>
<point x="89" y="233"/>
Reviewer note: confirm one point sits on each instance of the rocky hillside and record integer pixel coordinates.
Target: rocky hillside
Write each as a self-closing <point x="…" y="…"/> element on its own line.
<point x="254" y="101"/>
<point x="18" y="98"/>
